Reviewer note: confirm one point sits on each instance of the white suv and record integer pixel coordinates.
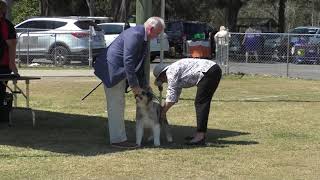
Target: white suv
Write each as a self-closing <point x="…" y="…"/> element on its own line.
<point x="58" y="39"/>
<point x="112" y="30"/>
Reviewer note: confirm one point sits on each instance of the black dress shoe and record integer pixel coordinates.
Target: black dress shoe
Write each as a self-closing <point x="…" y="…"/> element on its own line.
<point x="188" y="138"/>
<point x="125" y="145"/>
<point x="197" y="143"/>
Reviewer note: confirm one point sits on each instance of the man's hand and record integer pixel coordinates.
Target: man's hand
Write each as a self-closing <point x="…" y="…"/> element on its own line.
<point x="13" y="68"/>
<point x="136" y="90"/>
<point x="165" y="108"/>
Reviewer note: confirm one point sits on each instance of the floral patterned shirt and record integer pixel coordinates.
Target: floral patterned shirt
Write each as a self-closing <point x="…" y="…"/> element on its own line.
<point x="185" y="73"/>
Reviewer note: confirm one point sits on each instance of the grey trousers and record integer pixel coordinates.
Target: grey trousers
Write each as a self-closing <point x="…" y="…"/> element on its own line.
<point x="115" y="111"/>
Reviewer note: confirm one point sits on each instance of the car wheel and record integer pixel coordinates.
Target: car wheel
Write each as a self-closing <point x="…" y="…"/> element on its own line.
<point x="60" y="55"/>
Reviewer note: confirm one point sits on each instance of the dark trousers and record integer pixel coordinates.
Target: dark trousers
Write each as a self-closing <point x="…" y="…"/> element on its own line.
<point x="3" y="70"/>
<point x="205" y="91"/>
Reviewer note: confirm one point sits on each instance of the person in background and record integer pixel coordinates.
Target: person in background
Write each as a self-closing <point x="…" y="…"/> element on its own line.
<point x="8" y="49"/>
<point x="222" y="38"/>
<point x="251" y="43"/>
<point x="123" y="61"/>
<point x="185" y="73"/>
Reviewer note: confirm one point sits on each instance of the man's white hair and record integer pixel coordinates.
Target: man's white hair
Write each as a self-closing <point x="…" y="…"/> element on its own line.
<point x="155" y="22"/>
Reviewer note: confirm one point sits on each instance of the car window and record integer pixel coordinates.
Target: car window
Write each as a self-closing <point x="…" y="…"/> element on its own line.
<point x="25" y="25"/>
<point x="84" y="25"/>
<point x="42" y="25"/>
<point x="174" y="26"/>
<point x="193" y="28"/>
<point x="111" y="28"/>
<point x="33" y="26"/>
<point x="304" y="31"/>
<point x="57" y="24"/>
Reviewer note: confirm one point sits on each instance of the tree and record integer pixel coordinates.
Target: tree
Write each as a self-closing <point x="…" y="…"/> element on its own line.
<point x="186" y="9"/>
<point x="280" y="6"/>
<point x="281" y="16"/>
<point x="232" y="8"/>
<point x="90" y="4"/>
<point x="9" y="2"/>
<point x="44" y="7"/>
<point x="203" y="10"/>
<point x="121" y="9"/>
<point x="64" y="8"/>
<point x="23" y="9"/>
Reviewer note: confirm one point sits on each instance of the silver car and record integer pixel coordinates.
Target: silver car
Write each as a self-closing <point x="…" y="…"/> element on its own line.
<point x="112" y="31"/>
<point x="58" y="39"/>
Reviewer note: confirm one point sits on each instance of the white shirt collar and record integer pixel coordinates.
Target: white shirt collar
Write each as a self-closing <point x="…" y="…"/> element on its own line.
<point x="145" y="35"/>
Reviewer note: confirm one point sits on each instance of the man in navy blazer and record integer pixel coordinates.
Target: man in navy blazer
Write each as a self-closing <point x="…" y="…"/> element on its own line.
<point x="123" y="61"/>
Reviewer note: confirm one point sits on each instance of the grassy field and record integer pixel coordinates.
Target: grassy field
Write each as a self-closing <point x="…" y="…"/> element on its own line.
<point x="259" y="128"/>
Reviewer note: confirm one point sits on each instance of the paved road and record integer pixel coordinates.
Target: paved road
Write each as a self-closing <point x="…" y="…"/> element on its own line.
<point x="71" y="72"/>
<point x="276" y="69"/>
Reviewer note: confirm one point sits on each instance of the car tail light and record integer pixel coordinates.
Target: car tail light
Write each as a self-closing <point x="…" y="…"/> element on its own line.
<point x="80" y="34"/>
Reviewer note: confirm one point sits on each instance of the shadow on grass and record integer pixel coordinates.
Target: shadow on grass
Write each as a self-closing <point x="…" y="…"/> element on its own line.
<point x="257" y="101"/>
<point x="75" y="134"/>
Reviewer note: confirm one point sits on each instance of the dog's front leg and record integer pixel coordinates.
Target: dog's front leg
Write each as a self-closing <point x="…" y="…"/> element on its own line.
<point x="139" y="132"/>
<point x="156" y="134"/>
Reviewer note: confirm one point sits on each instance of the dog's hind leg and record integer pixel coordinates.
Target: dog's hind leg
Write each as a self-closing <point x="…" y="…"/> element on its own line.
<point x="156" y="134"/>
<point x="167" y="132"/>
<point x="139" y="132"/>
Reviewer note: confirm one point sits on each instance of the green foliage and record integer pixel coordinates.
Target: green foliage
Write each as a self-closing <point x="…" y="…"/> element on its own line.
<point x="216" y="12"/>
<point x="22" y="9"/>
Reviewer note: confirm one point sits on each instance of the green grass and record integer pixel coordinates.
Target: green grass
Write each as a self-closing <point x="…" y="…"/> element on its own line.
<point x="52" y="66"/>
<point x="259" y="128"/>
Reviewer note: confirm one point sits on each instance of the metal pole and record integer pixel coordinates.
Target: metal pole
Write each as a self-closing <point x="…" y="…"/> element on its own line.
<point x="163" y="7"/>
<point x="161" y="36"/>
<point x="90" y="45"/>
<point x="28" y="48"/>
<point x="288" y="53"/>
<point x="55" y="49"/>
<point x="227" y="63"/>
<point x="143" y="12"/>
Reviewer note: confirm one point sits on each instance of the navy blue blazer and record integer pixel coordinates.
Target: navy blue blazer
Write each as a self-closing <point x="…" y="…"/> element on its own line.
<point x="123" y="59"/>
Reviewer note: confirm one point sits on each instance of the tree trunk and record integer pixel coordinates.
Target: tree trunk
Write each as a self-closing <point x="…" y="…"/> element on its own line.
<point x="281" y="20"/>
<point x="44" y="7"/>
<point x="232" y="10"/>
<point x="90" y="4"/>
<point x="115" y="4"/>
<point x="121" y="9"/>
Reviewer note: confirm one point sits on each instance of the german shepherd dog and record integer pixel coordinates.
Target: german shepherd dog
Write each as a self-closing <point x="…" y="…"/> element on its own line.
<point x="148" y="116"/>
